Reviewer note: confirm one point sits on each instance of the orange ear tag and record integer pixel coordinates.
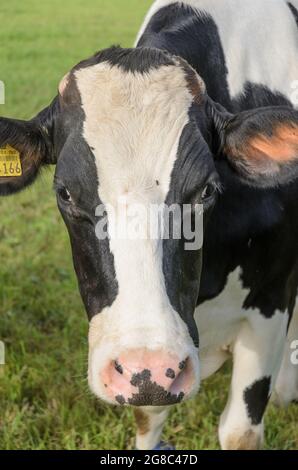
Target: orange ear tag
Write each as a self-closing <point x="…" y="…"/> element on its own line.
<point x="10" y="162"/>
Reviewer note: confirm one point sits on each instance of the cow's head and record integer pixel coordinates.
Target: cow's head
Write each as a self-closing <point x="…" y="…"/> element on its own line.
<point x="136" y="127"/>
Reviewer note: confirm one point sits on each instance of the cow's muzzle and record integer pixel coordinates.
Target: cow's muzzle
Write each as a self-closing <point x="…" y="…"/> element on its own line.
<point x="142" y="377"/>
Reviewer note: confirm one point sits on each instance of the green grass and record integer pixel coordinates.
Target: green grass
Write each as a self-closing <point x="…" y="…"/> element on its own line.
<point x="44" y="398"/>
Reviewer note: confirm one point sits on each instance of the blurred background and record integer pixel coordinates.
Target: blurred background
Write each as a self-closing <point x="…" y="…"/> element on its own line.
<point x="44" y="397"/>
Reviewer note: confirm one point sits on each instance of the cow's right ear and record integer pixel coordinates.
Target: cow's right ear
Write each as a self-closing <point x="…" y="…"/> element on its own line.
<point x="25" y="146"/>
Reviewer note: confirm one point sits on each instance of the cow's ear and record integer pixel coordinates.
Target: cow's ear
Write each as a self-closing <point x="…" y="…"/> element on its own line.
<point x="25" y="146"/>
<point x="262" y="145"/>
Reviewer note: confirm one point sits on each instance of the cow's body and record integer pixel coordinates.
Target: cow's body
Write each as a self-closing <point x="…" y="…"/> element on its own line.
<point x="247" y="56"/>
<point x="139" y="127"/>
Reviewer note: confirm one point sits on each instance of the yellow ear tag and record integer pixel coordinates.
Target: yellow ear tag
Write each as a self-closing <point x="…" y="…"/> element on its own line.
<point x="10" y="162"/>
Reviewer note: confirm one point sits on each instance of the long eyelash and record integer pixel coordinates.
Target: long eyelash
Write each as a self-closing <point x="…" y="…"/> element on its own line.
<point x="219" y="187"/>
<point x="56" y="184"/>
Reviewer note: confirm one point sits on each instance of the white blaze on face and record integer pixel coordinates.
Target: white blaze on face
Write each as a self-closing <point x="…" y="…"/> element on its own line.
<point x="133" y="123"/>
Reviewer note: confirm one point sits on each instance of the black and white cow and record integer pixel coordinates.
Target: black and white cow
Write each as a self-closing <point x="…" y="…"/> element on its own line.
<point x="205" y="100"/>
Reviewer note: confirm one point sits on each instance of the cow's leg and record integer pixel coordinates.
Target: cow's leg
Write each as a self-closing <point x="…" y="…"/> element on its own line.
<point x="257" y="355"/>
<point x="150" y="422"/>
<point x="286" y="388"/>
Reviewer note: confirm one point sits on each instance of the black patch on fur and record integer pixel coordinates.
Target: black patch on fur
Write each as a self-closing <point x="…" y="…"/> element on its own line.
<point x="76" y="170"/>
<point x="150" y="393"/>
<point x="182" y="365"/>
<point x="193" y="168"/>
<point x="92" y="258"/>
<point x="170" y="373"/>
<point x="258" y="96"/>
<point x="294" y="11"/>
<point x="130" y="60"/>
<point x="182" y="31"/>
<point x="256" y="398"/>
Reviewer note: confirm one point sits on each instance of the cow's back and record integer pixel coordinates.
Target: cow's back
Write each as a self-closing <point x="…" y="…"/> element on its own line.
<point x="245" y="50"/>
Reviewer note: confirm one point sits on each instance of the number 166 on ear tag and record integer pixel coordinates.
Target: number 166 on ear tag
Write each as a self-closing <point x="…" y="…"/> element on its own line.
<point x="10" y="162"/>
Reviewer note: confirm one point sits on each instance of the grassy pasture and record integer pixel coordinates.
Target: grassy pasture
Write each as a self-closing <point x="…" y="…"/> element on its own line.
<point x="44" y="398"/>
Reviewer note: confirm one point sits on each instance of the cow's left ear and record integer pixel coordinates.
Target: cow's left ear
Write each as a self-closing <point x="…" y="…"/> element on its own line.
<point x="25" y="146"/>
<point x="262" y="144"/>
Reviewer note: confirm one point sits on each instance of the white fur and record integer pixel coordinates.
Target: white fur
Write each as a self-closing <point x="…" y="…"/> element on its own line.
<point x="134" y="123"/>
<point x="219" y="321"/>
<point x="259" y="39"/>
<point x="156" y="419"/>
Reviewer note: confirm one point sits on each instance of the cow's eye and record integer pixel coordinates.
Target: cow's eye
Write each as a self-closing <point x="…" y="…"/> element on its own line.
<point x="208" y="191"/>
<point x="64" y="194"/>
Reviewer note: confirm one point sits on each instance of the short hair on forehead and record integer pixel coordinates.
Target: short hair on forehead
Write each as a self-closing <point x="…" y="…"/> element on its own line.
<point x="140" y="60"/>
<point x="143" y="60"/>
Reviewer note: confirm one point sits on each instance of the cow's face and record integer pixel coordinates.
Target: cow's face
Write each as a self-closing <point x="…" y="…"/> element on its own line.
<point x="132" y="131"/>
<point x="132" y="143"/>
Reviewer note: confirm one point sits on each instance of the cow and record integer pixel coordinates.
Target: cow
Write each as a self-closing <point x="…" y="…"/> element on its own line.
<point x="201" y="112"/>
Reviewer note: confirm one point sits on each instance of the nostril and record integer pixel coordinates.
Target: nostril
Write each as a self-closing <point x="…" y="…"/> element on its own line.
<point x="120" y="399"/>
<point x="170" y="374"/>
<point x="118" y="367"/>
<point x="183" y="379"/>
